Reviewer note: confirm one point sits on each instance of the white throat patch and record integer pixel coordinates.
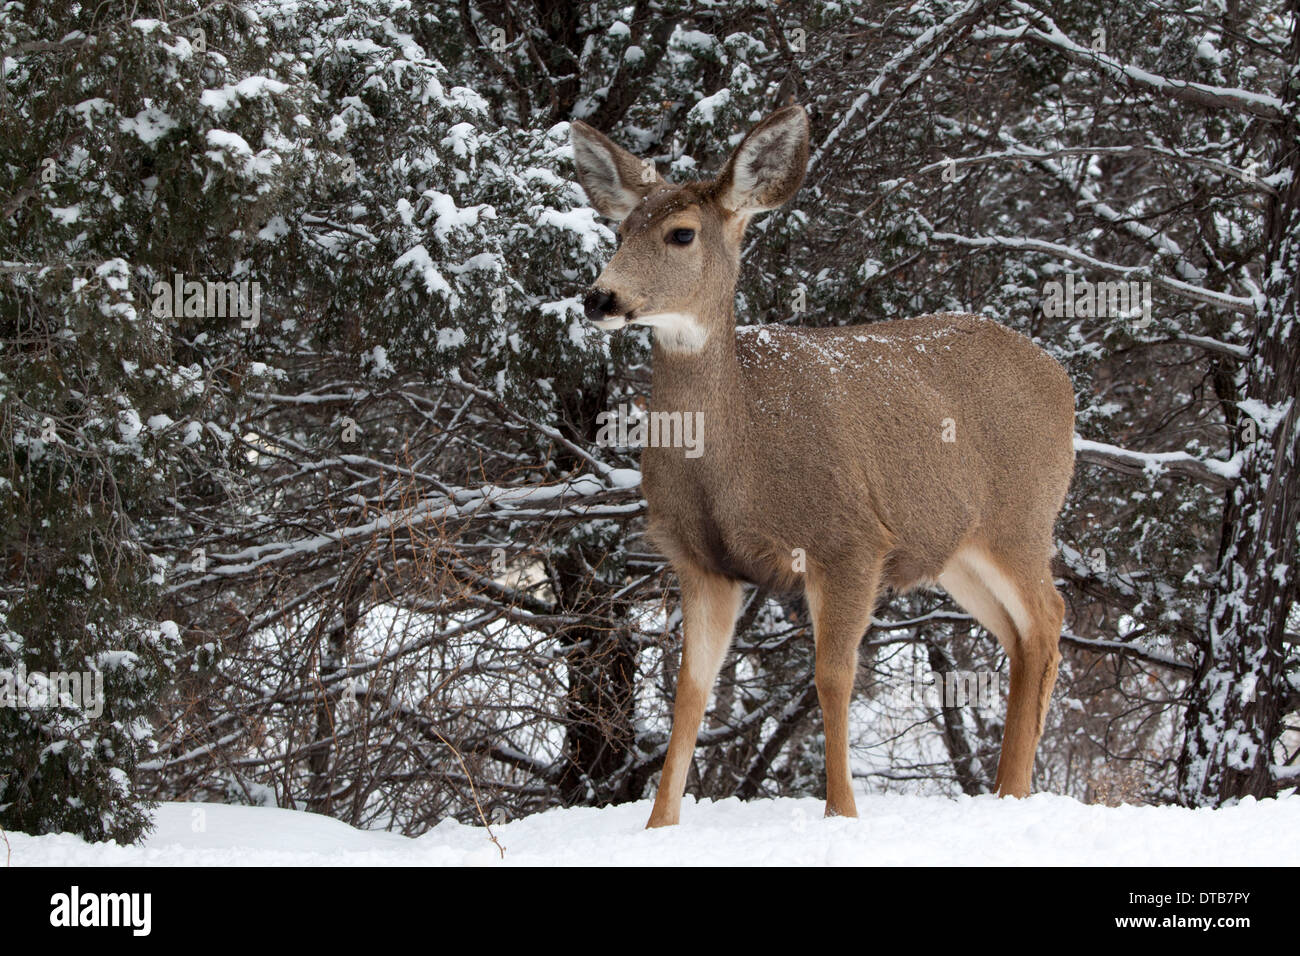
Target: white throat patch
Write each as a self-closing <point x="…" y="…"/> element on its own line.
<point x="676" y="331"/>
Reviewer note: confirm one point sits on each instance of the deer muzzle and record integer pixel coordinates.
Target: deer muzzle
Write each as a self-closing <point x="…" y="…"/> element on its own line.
<point x="602" y="309"/>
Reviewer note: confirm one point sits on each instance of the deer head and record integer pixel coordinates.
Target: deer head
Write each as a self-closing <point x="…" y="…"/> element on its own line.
<point x="679" y="246"/>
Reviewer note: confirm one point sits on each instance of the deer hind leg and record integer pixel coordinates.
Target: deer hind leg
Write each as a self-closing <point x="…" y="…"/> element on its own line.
<point x="1025" y="612"/>
<point x="841" y="613"/>
<point x="709" y="607"/>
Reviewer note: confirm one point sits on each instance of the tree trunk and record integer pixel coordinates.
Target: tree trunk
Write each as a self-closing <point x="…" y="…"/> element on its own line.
<point x="957" y="739"/>
<point x="599" y="710"/>
<point x="340" y="632"/>
<point x="1239" y="692"/>
<point x="600" y="702"/>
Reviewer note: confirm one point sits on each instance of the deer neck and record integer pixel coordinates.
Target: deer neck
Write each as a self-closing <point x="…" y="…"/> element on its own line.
<point x="705" y="380"/>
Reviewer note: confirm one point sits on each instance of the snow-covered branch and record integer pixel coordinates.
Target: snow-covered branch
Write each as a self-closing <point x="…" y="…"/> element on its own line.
<point x="1220" y="300"/>
<point x="1213" y="472"/>
<point x="1048" y="34"/>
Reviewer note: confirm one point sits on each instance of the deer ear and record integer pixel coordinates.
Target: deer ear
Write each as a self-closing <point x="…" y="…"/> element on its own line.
<point x="613" y="179"/>
<point x="768" y="166"/>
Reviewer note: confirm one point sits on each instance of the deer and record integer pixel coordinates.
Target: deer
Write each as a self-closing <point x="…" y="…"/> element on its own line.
<point x="836" y="461"/>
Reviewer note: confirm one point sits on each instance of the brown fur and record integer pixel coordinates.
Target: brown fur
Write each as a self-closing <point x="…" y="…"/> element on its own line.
<point x="828" y="446"/>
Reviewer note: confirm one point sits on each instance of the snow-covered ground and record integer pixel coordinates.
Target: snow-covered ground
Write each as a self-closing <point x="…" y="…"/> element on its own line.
<point x="1043" y="830"/>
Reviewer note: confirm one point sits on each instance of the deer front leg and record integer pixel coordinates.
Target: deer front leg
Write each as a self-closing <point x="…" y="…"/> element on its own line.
<point x="709" y="607"/>
<point x="841" y="613"/>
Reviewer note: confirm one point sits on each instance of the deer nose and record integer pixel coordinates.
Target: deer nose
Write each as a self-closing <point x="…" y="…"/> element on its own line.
<point x="598" y="304"/>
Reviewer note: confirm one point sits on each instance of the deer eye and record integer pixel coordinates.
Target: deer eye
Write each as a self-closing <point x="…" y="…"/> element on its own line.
<point x="681" y="237"/>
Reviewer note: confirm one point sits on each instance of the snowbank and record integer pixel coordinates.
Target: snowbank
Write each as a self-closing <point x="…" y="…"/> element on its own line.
<point x="1043" y="830"/>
